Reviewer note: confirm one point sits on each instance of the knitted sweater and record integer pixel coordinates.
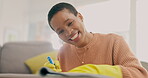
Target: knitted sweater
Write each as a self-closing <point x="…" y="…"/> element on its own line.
<point x="104" y="49"/>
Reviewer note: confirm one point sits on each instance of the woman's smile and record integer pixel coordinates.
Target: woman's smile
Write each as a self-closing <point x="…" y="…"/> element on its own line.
<point x="75" y="37"/>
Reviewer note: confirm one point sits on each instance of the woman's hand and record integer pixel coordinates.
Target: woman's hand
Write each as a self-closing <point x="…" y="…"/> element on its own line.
<point x="55" y="67"/>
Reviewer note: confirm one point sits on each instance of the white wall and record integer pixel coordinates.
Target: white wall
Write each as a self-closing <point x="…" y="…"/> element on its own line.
<point x="14" y="19"/>
<point x="107" y="16"/>
<point x="142" y="29"/>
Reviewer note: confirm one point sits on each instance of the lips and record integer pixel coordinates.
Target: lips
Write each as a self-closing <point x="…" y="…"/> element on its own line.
<point x="74" y="37"/>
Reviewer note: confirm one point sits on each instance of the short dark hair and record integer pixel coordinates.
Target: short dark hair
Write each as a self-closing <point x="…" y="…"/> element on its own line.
<point x="58" y="7"/>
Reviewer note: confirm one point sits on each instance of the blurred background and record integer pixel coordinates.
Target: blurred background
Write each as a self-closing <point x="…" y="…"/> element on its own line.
<point x="26" y="20"/>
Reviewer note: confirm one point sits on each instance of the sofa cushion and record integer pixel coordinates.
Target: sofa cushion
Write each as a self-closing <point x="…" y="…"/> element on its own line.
<point x="22" y="76"/>
<point x="13" y="55"/>
<point x="35" y="63"/>
<point x="145" y="65"/>
<point x="0" y="53"/>
<point x="0" y="47"/>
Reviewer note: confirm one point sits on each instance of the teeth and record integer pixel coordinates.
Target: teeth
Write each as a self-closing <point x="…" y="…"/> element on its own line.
<point x="75" y="36"/>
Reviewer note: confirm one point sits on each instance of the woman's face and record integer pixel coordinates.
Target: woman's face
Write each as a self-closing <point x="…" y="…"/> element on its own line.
<point x="70" y="28"/>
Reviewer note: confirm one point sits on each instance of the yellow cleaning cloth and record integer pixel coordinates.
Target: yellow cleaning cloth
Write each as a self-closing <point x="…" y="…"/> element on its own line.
<point x="107" y="70"/>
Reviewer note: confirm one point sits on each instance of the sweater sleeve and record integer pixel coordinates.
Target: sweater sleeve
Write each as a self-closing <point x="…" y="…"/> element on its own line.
<point x="123" y="56"/>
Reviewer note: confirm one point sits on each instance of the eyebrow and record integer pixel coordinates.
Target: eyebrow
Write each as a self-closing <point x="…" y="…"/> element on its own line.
<point x="66" y="20"/>
<point x="64" y="23"/>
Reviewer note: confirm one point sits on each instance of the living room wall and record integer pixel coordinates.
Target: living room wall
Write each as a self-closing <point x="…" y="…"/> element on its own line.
<point x="13" y="20"/>
<point x="142" y="29"/>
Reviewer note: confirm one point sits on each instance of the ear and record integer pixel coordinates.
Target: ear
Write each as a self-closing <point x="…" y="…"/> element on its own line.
<point x="80" y="16"/>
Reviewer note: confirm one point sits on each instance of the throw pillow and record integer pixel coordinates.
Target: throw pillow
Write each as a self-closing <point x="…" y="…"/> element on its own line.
<point x="35" y="63"/>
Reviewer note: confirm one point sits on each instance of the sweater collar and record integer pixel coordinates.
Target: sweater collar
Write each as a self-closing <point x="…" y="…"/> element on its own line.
<point x="91" y="43"/>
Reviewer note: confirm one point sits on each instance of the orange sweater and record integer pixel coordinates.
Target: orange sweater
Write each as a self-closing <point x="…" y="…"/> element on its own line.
<point x="104" y="49"/>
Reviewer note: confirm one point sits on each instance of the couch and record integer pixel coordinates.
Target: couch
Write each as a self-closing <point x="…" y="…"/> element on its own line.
<point x="14" y="54"/>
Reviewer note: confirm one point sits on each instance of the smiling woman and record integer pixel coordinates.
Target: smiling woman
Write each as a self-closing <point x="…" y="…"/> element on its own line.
<point x="82" y="47"/>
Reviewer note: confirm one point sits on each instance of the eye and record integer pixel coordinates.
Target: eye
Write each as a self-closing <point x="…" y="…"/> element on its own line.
<point x="70" y="24"/>
<point x="61" y="31"/>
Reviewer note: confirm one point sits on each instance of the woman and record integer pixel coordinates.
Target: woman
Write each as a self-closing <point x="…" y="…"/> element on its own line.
<point x="83" y="48"/>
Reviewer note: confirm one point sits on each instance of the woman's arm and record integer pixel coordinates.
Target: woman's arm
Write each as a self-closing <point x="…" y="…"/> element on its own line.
<point x="123" y="56"/>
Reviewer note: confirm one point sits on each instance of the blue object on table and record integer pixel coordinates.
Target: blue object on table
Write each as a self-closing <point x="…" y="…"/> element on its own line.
<point x="50" y="60"/>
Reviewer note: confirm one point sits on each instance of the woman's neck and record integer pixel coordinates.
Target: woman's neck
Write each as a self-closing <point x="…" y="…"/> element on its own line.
<point x="87" y="40"/>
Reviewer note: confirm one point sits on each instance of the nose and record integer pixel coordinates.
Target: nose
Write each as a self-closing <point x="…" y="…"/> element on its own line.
<point x="68" y="31"/>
